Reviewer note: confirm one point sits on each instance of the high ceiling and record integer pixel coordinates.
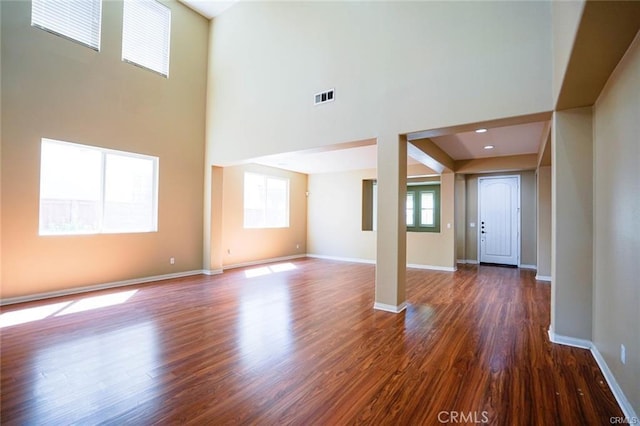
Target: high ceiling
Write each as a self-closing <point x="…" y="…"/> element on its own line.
<point x="463" y="143"/>
<point x="209" y="8"/>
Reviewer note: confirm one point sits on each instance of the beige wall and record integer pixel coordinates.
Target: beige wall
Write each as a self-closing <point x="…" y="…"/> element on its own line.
<point x="240" y="245"/>
<point x="544" y="221"/>
<point x="527" y="215"/>
<point x="616" y="245"/>
<point x="55" y="88"/>
<point x="461" y="216"/>
<point x="565" y="18"/>
<point x="338" y="232"/>
<point x="334" y="227"/>
<point x="572" y="223"/>
<point x="269" y="58"/>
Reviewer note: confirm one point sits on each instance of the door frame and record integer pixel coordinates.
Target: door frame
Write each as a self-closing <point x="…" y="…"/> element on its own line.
<point x="519" y="208"/>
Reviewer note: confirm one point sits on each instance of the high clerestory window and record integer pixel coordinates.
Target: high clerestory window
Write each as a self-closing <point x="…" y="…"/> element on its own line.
<point x="75" y="20"/>
<point x="146" y="33"/>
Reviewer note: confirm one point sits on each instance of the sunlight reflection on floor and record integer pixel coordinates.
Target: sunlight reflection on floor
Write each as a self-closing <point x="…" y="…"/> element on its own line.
<point x="266" y="270"/>
<point x="22" y="316"/>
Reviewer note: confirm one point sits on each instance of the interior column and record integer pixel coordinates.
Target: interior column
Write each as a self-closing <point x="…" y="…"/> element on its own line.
<point x="572" y="224"/>
<point x="391" y="257"/>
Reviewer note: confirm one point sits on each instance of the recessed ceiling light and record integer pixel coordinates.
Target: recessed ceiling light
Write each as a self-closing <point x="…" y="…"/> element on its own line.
<point x="489" y="147"/>
<point x="481" y="130"/>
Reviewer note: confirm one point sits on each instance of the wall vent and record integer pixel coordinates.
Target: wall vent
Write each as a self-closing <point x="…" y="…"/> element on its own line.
<point x="323" y="97"/>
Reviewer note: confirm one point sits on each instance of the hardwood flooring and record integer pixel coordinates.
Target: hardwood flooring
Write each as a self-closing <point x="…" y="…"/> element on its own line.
<point x="299" y="343"/>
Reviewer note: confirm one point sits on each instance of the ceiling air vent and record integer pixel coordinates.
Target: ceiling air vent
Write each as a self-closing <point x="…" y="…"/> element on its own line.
<point x="323" y="97"/>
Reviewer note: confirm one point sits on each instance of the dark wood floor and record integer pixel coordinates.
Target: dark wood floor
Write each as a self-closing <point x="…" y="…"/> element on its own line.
<point x="302" y="346"/>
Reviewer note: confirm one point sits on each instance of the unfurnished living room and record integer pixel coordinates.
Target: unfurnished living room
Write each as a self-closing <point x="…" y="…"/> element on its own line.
<point x="319" y="213"/>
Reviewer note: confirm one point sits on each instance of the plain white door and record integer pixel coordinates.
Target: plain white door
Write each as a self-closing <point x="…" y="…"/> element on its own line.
<point x="499" y="219"/>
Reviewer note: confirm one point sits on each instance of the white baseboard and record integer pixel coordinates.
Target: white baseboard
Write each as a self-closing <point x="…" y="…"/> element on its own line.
<point x="543" y="278"/>
<point x="432" y="267"/>
<point x="467" y="261"/>
<point x="212" y="271"/>
<point x="342" y="259"/>
<point x="568" y="341"/>
<point x="390" y="308"/>
<point x="623" y="402"/>
<point x="373" y="262"/>
<point x="263" y="261"/>
<point x="103" y="286"/>
<point x="528" y="266"/>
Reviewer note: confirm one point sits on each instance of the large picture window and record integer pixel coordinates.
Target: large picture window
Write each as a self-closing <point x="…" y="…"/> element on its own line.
<point x="266" y="201"/>
<point x="90" y="190"/>
<point x="76" y="20"/>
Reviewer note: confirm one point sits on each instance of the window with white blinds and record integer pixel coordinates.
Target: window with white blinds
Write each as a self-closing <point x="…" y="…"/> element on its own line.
<point x="145" y="35"/>
<point x="78" y="20"/>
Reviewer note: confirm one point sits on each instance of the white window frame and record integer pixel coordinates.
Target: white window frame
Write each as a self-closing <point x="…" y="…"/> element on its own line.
<point x="59" y="18"/>
<point x="266" y="179"/>
<point x="102" y="191"/>
<point x="135" y="42"/>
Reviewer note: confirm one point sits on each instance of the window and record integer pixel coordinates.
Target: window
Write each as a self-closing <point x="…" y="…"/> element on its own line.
<point x="266" y="201"/>
<point x="422" y="206"/>
<point x="75" y="20"/>
<point x="90" y="190"/>
<point x="146" y="33"/>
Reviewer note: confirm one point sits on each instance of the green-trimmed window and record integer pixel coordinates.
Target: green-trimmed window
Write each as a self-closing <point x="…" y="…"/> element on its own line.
<point x="423" y="208"/>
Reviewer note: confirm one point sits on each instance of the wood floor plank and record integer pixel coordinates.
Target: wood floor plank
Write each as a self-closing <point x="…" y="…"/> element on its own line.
<point x="301" y="345"/>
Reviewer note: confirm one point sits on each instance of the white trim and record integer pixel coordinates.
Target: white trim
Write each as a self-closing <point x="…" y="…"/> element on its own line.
<point x="467" y="261"/>
<point x="621" y="398"/>
<point x="527" y="267"/>
<point x="432" y="267"/>
<point x="263" y="261"/>
<point x="342" y="259"/>
<point x="390" y="308"/>
<point x="568" y="341"/>
<point x="212" y="271"/>
<point x="623" y="402"/>
<point x="543" y="278"/>
<point x="103" y="286"/>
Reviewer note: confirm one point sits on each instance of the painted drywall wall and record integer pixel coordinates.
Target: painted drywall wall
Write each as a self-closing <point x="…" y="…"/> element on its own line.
<point x="338" y="232"/>
<point x="240" y="245"/>
<point x="616" y="223"/>
<point x="0" y="144"/>
<point x="395" y="66"/>
<point x="572" y="223"/>
<point x="544" y="221"/>
<point x="527" y="215"/>
<point x="56" y="88"/>
<point x="461" y="216"/>
<point x="565" y="18"/>
<point x="333" y="231"/>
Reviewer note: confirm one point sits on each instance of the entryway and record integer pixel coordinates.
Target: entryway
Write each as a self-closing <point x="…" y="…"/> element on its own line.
<point x="499" y="220"/>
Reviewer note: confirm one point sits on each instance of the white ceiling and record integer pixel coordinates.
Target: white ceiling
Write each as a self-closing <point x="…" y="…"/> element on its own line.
<point x="209" y="8"/>
<point x="507" y="140"/>
<point x="335" y="160"/>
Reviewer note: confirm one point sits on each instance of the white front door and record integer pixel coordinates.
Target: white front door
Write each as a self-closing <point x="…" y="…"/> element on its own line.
<point x="499" y="219"/>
